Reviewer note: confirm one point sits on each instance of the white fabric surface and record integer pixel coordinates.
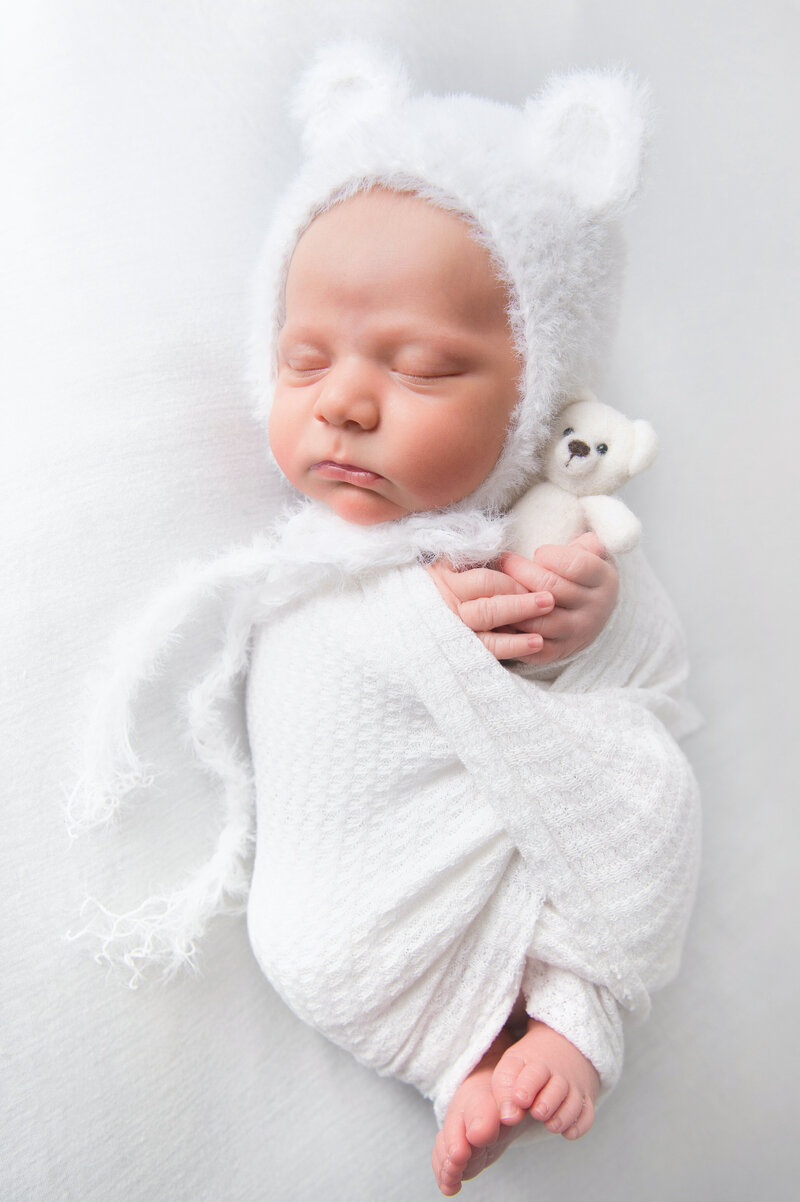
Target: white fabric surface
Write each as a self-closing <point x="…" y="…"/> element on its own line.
<point x="142" y="143"/>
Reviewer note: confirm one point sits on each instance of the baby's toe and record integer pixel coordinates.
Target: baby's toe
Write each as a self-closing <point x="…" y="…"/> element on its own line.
<point x="583" y="1122"/>
<point x="531" y="1080"/>
<point x="505" y="1079"/>
<point x="449" y="1180"/>
<point x="550" y="1098"/>
<point x="515" y="1083"/>
<point x="454" y="1143"/>
<point x="568" y="1112"/>
<point x="448" y="1164"/>
<point x="482" y="1119"/>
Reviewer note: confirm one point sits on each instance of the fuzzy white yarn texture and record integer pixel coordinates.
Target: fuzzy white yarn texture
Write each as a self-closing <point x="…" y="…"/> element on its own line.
<point x="437" y="832"/>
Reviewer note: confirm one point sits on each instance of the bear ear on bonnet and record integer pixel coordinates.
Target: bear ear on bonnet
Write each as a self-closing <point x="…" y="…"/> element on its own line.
<point x="347" y="82"/>
<point x="589" y="130"/>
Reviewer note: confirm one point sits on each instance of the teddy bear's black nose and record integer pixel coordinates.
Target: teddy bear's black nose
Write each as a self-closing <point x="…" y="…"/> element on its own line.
<point x="576" y="447"/>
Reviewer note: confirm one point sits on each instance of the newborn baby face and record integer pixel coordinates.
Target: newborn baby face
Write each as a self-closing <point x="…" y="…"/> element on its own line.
<point x="397" y="372"/>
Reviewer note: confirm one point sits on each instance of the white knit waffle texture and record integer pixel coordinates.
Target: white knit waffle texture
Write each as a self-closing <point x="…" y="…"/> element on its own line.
<point x="436" y="831"/>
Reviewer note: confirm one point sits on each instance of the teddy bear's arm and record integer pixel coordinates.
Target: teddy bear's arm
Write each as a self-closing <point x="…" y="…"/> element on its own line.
<point x="617" y="528"/>
<point x="545" y="514"/>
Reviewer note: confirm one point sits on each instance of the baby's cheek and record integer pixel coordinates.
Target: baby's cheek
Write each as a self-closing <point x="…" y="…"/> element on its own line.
<point x="465" y="462"/>
<point x="283" y="440"/>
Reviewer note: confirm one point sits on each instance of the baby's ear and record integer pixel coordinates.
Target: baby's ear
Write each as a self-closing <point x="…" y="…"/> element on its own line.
<point x="645" y="446"/>
<point x="347" y="82"/>
<point x="590" y="130"/>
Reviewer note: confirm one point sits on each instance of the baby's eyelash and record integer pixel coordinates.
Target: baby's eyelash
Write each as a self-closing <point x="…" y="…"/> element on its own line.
<point x="427" y="377"/>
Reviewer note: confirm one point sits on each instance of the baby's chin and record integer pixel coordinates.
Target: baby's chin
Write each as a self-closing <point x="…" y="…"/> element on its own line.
<point x="361" y="507"/>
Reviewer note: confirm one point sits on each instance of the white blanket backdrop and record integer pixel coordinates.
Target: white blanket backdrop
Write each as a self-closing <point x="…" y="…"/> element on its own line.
<point x="143" y="145"/>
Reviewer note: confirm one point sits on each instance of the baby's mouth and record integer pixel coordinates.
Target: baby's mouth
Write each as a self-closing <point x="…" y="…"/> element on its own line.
<point x="350" y="473"/>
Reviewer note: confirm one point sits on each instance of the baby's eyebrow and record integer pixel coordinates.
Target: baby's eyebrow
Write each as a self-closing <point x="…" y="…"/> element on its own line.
<point x="299" y="337"/>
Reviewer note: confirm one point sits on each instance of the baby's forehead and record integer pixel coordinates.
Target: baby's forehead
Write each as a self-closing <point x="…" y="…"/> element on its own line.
<point x="383" y="216"/>
<point x="398" y="235"/>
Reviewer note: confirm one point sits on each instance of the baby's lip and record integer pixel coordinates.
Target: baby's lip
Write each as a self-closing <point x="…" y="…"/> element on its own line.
<point x="329" y="469"/>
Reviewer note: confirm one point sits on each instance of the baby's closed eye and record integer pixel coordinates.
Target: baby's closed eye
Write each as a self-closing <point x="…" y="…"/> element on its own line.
<point x="421" y="368"/>
<point x="306" y="360"/>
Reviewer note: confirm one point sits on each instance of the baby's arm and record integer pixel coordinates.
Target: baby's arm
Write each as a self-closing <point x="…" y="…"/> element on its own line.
<point x="559" y="601"/>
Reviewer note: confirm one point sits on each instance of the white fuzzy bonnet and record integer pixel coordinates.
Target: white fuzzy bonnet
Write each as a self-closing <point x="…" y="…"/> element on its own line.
<point x="542" y="186"/>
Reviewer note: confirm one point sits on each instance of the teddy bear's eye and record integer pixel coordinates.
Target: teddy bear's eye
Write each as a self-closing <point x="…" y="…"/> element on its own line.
<point x="569" y="430"/>
<point x="601" y="448"/>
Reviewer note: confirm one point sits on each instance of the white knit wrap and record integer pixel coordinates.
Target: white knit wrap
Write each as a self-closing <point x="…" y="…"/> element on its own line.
<point x="574" y="787"/>
<point x="437" y="832"/>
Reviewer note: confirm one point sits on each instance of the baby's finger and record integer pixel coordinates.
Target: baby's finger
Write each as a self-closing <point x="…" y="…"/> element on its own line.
<point x="558" y="624"/>
<point x="569" y="596"/>
<point x="551" y="651"/>
<point x="510" y="646"/>
<point x="543" y="575"/>
<point x="484" y="582"/>
<point x="487" y="613"/>
<point x="574" y="562"/>
<point x="531" y="575"/>
<point x="590" y="542"/>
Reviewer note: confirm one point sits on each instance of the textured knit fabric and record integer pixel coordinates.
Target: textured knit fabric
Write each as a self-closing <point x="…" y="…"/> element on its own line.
<point x="436" y="831"/>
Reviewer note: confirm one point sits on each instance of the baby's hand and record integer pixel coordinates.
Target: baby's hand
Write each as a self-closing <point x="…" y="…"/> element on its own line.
<point x="584" y="585"/>
<point x="535" y="610"/>
<point x="495" y="606"/>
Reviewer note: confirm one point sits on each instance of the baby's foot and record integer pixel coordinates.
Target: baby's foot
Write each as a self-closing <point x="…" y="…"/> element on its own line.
<point x="472" y="1136"/>
<point x="545" y="1075"/>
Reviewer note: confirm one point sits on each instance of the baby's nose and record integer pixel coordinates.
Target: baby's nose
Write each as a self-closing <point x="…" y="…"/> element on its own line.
<point x="348" y="395"/>
<point x="576" y="447"/>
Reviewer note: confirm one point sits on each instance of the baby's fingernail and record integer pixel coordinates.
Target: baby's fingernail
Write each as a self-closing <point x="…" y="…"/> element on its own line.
<point x="508" y="1110"/>
<point x="535" y="642"/>
<point x="540" y="1112"/>
<point x="543" y="600"/>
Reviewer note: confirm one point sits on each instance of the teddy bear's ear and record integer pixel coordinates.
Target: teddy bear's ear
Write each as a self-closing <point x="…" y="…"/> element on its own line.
<point x="346" y="83"/>
<point x="645" y="446"/>
<point x="590" y="131"/>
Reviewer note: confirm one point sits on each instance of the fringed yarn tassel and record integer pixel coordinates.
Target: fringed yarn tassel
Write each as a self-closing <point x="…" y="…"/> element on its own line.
<point x="162" y="933"/>
<point x="112" y="768"/>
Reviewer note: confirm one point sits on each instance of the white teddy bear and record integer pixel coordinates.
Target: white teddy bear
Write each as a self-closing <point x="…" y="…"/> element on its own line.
<point x="595" y="450"/>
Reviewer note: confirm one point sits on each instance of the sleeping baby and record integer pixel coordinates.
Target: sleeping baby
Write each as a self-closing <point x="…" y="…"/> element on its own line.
<point x="475" y="835"/>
